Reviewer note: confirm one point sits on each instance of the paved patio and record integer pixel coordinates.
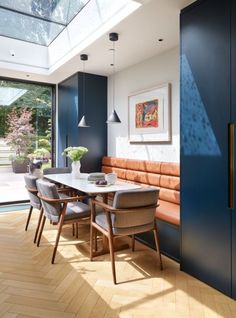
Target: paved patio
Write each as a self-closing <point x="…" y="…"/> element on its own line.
<point x="12" y="186"/>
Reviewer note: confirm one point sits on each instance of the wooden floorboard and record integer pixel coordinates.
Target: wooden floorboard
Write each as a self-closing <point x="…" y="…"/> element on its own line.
<point x="74" y="287"/>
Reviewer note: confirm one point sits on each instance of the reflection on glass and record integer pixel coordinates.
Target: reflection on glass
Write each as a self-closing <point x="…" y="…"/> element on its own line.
<point x="37" y="21"/>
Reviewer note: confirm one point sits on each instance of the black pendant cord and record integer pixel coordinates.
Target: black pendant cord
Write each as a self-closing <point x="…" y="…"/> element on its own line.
<point x="113" y="118"/>
<point x="113" y="80"/>
<point x="82" y="123"/>
<point x="83" y="108"/>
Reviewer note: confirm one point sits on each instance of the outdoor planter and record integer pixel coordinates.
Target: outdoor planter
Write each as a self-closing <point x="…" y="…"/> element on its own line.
<point x="20" y="166"/>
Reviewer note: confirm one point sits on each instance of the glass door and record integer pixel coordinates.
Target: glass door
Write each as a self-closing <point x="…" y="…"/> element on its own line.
<point x="25" y="134"/>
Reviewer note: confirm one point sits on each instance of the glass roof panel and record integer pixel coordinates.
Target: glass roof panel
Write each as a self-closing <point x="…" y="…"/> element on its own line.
<point x="37" y="21"/>
<point x="22" y="27"/>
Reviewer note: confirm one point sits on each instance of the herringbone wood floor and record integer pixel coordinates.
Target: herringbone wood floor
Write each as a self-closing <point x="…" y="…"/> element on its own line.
<point x="75" y="287"/>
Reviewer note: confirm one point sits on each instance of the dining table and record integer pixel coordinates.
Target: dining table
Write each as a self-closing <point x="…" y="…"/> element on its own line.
<point x="92" y="189"/>
<point x="82" y="184"/>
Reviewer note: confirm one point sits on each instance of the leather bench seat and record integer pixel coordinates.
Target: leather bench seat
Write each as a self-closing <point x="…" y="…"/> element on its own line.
<point x="168" y="212"/>
<point x="163" y="175"/>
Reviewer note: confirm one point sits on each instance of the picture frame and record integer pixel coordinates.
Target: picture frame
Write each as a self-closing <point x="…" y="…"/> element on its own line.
<point x="149" y="115"/>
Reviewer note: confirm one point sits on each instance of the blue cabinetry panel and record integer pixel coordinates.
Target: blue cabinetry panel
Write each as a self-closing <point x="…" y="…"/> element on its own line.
<point x="233" y="109"/>
<point x="94" y="137"/>
<point x="71" y="106"/>
<point x="67" y="115"/>
<point x="205" y="114"/>
<point x="169" y="239"/>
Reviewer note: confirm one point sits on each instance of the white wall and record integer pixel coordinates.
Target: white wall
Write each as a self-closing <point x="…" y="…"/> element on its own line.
<point x="27" y="57"/>
<point x="150" y="73"/>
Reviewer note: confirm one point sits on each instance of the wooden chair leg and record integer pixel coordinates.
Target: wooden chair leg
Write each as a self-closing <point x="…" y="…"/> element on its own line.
<point x="112" y="255"/>
<point x="157" y="241"/>
<point x="133" y="243"/>
<point x="73" y="229"/>
<point x="91" y="242"/>
<point x="38" y="225"/>
<point x="41" y="230"/>
<point x="95" y="241"/>
<point x="28" y="218"/>
<point x="77" y="230"/>
<point x="57" y="240"/>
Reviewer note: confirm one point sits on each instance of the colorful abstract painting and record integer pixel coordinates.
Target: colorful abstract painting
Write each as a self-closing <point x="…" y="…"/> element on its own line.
<point x="149" y="115"/>
<point x="146" y="114"/>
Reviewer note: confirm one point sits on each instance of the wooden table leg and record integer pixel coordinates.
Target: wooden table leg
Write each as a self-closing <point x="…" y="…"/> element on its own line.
<point x="118" y="246"/>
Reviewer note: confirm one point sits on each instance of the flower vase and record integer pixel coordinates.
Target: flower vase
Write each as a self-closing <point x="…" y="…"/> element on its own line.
<point x="75" y="169"/>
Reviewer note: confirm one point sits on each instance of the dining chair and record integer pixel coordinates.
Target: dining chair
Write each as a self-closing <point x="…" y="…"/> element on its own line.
<point x="55" y="170"/>
<point x="60" y="211"/>
<point x="59" y="170"/>
<point x="31" y="186"/>
<point x="132" y="212"/>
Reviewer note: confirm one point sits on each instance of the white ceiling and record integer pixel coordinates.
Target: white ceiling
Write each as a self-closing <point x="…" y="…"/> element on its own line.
<point x="138" y="41"/>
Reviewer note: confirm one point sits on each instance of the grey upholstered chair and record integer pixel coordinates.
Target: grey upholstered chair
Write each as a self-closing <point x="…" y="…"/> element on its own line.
<point x="56" y="170"/>
<point x="31" y="186"/>
<point x="132" y="212"/>
<point x="60" y="211"/>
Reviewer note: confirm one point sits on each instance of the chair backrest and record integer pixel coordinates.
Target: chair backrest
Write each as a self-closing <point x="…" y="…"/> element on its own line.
<point x="30" y="182"/>
<point x="56" y="170"/>
<point x="48" y="190"/>
<point x="138" y="207"/>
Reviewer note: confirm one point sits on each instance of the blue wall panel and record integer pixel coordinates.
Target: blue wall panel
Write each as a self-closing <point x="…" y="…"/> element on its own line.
<point x="205" y="114"/>
<point x="94" y="137"/>
<point x="233" y="109"/>
<point x="71" y="106"/>
<point x="67" y="116"/>
<point x="169" y="239"/>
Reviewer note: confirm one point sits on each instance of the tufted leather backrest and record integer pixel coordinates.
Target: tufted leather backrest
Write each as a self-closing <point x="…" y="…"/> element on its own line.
<point x="163" y="175"/>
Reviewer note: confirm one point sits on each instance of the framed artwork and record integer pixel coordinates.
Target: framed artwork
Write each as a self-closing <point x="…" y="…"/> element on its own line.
<point x="149" y="115"/>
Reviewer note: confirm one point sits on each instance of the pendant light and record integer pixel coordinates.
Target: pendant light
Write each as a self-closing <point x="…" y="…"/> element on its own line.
<point x="113" y="118"/>
<point x="82" y="123"/>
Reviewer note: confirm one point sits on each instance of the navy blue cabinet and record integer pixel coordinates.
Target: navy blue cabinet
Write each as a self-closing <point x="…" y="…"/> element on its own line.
<point x="72" y="105"/>
<point x="208" y="106"/>
<point x="233" y="110"/>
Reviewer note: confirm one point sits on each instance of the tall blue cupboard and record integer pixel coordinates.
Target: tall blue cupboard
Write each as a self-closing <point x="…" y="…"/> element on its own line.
<point x="208" y="115"/>
<point x="83" y="94"/>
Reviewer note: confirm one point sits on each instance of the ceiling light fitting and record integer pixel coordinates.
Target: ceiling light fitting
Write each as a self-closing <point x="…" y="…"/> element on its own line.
<point x="113" y="118"/>
<point x="82" y="123"/>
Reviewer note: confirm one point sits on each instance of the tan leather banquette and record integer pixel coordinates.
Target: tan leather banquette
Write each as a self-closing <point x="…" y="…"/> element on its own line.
<point x="164" y="175"/>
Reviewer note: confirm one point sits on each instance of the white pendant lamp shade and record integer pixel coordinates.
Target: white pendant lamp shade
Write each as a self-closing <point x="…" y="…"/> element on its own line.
<point x="83" y="123"/>
<point x="113" y="117"/>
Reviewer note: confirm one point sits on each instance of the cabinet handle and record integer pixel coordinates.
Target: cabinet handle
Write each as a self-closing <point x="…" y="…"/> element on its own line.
<point x="231" y="165"/>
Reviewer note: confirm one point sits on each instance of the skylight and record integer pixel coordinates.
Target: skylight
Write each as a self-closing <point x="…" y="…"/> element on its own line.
<point x="41" y="36"/>
<point x="37" y="21"/>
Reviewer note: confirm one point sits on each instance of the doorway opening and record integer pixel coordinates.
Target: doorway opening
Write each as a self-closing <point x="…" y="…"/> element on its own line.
<point x="25" y="134"/>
